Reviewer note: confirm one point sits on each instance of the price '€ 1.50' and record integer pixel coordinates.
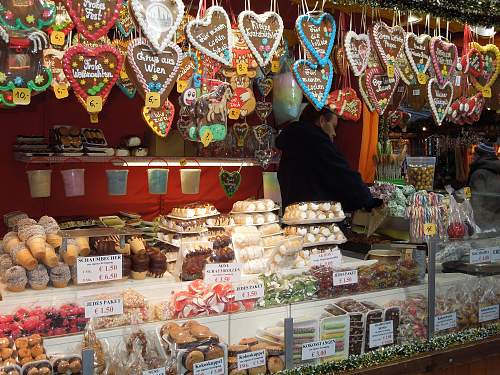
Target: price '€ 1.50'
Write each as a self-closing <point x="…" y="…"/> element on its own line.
<point x="98" y="269"/>
<point x="103" y="307"/>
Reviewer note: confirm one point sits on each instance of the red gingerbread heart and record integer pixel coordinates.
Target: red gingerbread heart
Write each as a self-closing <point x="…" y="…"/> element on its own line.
<point x="444" y="58"/>
<point x="92" y="71"/>
<point x="380" y="87"/>
<point x="94" y="18"/>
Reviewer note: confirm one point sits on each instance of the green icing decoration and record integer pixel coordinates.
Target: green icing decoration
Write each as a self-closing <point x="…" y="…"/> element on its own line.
<point x="20" y="25"/>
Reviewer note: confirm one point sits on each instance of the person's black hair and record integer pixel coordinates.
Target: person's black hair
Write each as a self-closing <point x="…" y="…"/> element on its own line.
<point x="312" y="115"/>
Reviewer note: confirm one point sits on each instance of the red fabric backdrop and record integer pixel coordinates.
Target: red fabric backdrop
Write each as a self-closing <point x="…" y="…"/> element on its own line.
<point x="120" y="116"/>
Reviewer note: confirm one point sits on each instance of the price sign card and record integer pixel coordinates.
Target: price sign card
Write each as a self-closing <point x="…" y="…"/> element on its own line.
<point x="480" y="256"/>
<point x="381" y="334"/>
<point x="318" y="349"/>
<point x="212" y="367"/>
<point x="445" y="321"/>
<point x="98" y="269"/>
<point x="222" y="273"/>
<point x="251" y="360"/>
<point x="345" y="278"/>
<point x="103" y="307"/>
<point x="249" y="291"/>
<point x="489" y="313"/>
<point x="155" y="371"/>
<point x="330" y="258"/>
<point x="495" y="255"/>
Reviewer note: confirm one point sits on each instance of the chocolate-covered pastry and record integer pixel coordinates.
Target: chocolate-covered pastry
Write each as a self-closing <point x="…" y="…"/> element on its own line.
<point x="157" y="262"/>
<point x="140" y="266"/>
<point x="102" y="246"/>
<point x="126" y="266"/>
<point x="222" y="255"/>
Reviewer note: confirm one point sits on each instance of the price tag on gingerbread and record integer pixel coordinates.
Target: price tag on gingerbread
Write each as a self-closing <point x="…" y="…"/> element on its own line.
<point x="248" y="291"/>
<point x="345" y="277"/>
<point x="57" y="38"/>
<point x="212" y="367"/>
<point x="445" y="321"/>
<point x="21" y="96"/>
<point x="242" y="69"/>
<point x="430" y="229"/>
<point x="61" y="91"/>
<point x="390" y="70"/>
<point x="487" y="92"/>
<point x="103" y="307"/>
<point x="381" y="334"/>
<point x="222" y="273"/>
<point x="422" y="78"/>
<point x="234" y="113"/>
<point x="99" y="268"/>
<point x="94" y="104"/>
<point x="207" y="138"/>
<point x="153" y="100"/>
<point x="467" y="192"/>
<point x="318" y="349"/>
<point x="181" y="86"/>
<point x="251" y="360"/>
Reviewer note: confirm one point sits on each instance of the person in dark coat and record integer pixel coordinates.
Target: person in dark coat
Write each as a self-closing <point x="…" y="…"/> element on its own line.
<point x="484" y="182"/>
<point x="313" y="169"/>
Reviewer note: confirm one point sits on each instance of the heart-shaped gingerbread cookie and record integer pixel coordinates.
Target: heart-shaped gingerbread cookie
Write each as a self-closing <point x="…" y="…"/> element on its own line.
<point x="94" y="18"/>
<point x="418" y="54"/>
<point x="240" y="131"/>
<point x="357" y="48"/>
<point x="158" y="19"/>
<point x="380" y="87"/>
<point x="262" y="33"/>
<point x="316" y="32"/>
<point x="314" y="80"/>
<point x="388" y="42"/>
<point x="444" y="58"/>
<point x="154" y="71"/>
<point x="211" y="35"/>
<point x="159" y="119"/>
<point x="491" y="68"/>
<point x="230" y="182"/>
<point x="440" y="98"/>
<point x="473" y="62"/>
<point x="92" y="71"/>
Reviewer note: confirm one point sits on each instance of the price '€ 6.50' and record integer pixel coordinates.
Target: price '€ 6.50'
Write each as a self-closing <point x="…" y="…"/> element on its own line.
<point x="98" y="269"/>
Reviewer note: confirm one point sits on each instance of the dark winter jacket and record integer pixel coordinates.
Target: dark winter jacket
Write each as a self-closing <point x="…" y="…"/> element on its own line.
<point x="485" y="186"/>
<point x="313" y="169"/>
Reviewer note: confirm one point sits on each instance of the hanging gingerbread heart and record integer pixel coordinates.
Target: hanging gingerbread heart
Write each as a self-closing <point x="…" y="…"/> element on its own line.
<point x="263" y="157"/>
<point x="316" y="32"/>
<point x="92" y="72"/>
<point x="491" y="69"/>
<point x="125" y="23"/>
<point x="357" y="49"/>
<point x="230" y="181"/>
<point x="158" y="19"/>
<point x="404" y="68"/>
<point x="27" y="15"/>
<point x="263" y="110"/>
<point x="263" y="134"/>
<point x="264" y="85"/>
<point x="62" y="24"/>
<point x="124" y="82"/>
<point x="154" y="71"/>
<point x="240" y="131"/>
<point x="244" y="62"/>
<point x="475" y="110"/>
<point x="418" y="54"/>
<point x="363" y="90"/>
<point x="380" y="87"/>
<point x="345" y="104"/>
<point x="440" y="98"/>
<point x="444" y="57"/>
<point x="262" y="33"/>
<point x="94" y="18"/>
<point x="53" y="60"/>
<point x="473" y="62"/>
<point x="314" y="80"/>
<point x="159" y="119"/>
<point x="211" y="35"/>
<point x="388" y="42"/>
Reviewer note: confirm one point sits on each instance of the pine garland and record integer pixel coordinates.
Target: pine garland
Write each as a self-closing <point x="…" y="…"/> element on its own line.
<point x="398" y="352"/>
<point x="473" y="12"/>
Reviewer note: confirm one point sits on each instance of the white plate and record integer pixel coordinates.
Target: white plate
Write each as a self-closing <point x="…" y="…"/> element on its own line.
<point x="276" y="208"/>
<point x="314" y="221"/>
<point x="192" y="218"/>
<point x="314" y="244"/>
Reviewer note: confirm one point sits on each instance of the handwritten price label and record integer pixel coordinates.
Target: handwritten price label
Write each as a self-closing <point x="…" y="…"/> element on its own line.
<point x="212" y="367"/>
<point x="422" y="78"/>
<point x="98" y="269"/>
<point x="94" y="104"/>
<point x="487" y="92"/>
<point x="242" y="69"/>
<point x="103" y="307"/>
<point x="57" y="38"/>
<point x="489" y="313"/>
<point x="445" y="321"/>
<point x="222" y="273"/>
<point x="207" y="138"/>
<point x="181" y="86"/>
<point x="21" y="96"/>
<point x="153" y="100"/>
<point x="61" y="91"/>
<point x="345" y="278"/>
<point x="390" y="70"/>
<point x="251" y="360"/>
<point x="249" y="291"/>
<point x="275" y="66"/>
<point x="480" y="256"/>
<point x="318" y="349"/>
<point x="234" y="113"/>
<point x="330" y="258"/>
<point x="155" y="371"/>
<point x="381" y="334"/>
<point x="430" y="229"/>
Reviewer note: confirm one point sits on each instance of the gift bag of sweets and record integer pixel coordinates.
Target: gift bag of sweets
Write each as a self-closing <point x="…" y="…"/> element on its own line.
<point x="280" y="290"/>
<point x="313" y="212"/>
<point x="412" y="318"/>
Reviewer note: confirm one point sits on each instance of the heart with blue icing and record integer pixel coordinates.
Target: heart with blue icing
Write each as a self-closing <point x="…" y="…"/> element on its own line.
<point x="314" y="80"/>
<point x="317" y="34"/>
